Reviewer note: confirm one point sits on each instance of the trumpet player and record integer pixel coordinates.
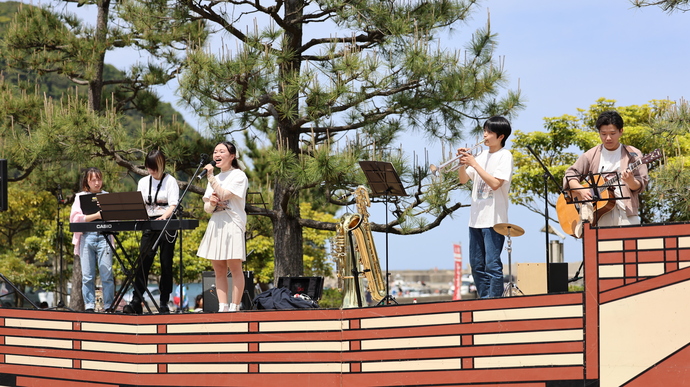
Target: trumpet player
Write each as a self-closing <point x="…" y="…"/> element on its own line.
<point x="490" y="173"/>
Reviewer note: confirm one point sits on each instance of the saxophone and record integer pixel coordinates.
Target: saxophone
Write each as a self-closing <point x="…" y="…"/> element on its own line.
<point x="353" y="236"/>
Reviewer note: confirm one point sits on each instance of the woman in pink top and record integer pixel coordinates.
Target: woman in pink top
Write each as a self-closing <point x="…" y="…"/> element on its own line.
<point x="91" y="247"/>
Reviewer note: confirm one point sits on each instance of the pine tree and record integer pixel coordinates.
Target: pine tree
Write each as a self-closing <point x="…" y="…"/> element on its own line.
<point x="331" y="82"/>
<point x="667" y="5"/>
<point x="57" y="137"/>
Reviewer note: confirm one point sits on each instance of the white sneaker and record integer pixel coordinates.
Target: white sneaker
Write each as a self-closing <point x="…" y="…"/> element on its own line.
<point x="233" y="308"/>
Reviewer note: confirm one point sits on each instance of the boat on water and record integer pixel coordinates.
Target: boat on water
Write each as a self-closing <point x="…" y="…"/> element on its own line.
<point x="627" y="328"/>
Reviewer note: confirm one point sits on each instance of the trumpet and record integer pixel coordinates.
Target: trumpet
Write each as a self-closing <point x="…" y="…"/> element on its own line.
<point x="449" y="165"/>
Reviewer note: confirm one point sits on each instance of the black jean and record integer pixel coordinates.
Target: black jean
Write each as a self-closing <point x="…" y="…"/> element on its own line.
<point x="148" y="254"/>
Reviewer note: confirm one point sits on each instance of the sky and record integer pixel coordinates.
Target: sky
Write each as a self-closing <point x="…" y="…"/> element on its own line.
<point x="563" y="55"/>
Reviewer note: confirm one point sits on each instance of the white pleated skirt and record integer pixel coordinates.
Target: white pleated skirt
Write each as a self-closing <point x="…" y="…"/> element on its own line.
<point x="223" y="239"/>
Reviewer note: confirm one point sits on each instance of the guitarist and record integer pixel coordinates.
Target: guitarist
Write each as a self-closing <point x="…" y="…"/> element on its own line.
<point x="610" y="156"/>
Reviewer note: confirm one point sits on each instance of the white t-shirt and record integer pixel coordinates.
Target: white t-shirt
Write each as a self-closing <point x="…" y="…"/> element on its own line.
<point x="490" y="207"/>
<point x="159" y="196"/>
<point x="236" y="182"/>
<point x="610" y="161"/>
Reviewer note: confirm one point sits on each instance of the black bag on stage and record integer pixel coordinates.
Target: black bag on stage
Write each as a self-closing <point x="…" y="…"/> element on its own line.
<point x="282" y="298"/>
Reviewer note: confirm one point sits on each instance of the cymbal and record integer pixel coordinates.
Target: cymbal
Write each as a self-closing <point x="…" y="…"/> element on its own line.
<point x="508" y="229"/>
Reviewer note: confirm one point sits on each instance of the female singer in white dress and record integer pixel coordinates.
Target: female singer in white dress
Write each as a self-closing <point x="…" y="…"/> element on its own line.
<point x="223" y="243"/>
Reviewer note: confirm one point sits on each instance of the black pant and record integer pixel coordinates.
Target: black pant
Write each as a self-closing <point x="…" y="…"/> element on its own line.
<point x="167" y="249"/>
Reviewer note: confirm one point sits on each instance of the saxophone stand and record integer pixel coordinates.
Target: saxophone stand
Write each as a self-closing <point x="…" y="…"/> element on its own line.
<point x="355" y="272"/>
<point x="384" y="181"/>
<point x="508" y="230"/>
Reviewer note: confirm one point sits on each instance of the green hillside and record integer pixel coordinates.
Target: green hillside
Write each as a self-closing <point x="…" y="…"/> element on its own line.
<point x="55" y="86"/>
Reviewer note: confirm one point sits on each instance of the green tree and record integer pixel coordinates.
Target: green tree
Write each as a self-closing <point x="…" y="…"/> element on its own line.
<point x="52" y="41"/>
<point x="323" y="84"/>
<point x="660" y="124"/>
<point x="46" y="40"/>
<point x="668" y="199"/>
<point x="48" y="141"/>
<point x="55" y="138"/>
<point x="28" y="239"/>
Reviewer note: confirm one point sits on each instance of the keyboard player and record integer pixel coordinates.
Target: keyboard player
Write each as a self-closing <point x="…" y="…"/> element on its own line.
<point x="161" y="195"/>
<point x="92" y="247"/>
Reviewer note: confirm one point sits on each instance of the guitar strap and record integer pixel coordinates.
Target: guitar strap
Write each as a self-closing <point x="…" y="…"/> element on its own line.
<point x="633" y="155"/>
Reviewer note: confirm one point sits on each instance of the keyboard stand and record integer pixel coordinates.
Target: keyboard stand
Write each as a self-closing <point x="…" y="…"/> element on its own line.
<point x="129" y="274"/>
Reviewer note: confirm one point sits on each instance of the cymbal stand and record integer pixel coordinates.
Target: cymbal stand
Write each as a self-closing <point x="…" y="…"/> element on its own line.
<point x="510" y="287"/>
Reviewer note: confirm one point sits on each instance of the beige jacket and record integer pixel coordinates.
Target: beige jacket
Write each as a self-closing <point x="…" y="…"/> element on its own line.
<point x="589" y="162"/>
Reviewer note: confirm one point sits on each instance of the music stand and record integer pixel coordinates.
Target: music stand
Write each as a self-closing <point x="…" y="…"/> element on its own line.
<point x="122" y="206"/>
<point x="383" y="181"/>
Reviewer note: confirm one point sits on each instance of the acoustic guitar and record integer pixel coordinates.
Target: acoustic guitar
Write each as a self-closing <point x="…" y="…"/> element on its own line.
<point x="569" y="211"/>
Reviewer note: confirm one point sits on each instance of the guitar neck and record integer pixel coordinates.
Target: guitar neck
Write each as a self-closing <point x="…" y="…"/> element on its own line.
<point x="631" y="167"/>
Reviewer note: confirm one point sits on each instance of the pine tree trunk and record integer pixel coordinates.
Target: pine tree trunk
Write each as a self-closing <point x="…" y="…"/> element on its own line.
<point x="96" y="84"/>
<point x="287" y="236"/>
<point x="287" y="232"/>
<point x="76" y="299"/>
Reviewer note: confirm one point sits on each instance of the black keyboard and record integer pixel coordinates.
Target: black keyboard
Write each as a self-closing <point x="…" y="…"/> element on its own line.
<point x="134" y="225"/>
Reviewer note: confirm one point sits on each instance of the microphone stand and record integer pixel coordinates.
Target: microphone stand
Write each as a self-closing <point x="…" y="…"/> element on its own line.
<point x="547" y="175"/>
<point x="60" y="243"/>
<point x="162" y="232"/>
<point x="165" y="227"/>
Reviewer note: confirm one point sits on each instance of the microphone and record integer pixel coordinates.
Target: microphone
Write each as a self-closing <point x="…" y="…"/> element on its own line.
<point x="344" y="196"/>
<point x="204" y="172"/>
<point x="58" y="193"/>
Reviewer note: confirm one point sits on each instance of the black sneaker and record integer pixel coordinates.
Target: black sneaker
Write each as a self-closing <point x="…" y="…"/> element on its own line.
<point x="164" y="310"/>
<point x="90" y="310"/>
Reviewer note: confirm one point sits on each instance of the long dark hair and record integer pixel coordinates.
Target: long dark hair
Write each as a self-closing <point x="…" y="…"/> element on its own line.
<point x="233" y="151"/>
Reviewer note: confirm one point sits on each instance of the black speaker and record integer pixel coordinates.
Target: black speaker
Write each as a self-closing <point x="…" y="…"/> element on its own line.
<point x="208" y="283"/>
<point x="312" y="286"/>
<point x="558" y="277"/>
<point x="3" y="185"/>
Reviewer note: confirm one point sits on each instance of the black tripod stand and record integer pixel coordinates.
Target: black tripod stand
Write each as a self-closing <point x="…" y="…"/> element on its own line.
<point x="384" y="181"/>
<point x="60" y="290"/>
<point x="510" y="230"/>
<point x="15" y="291"/>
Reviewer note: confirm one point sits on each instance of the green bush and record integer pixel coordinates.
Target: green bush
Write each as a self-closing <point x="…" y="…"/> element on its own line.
<point x="331" y="298"/>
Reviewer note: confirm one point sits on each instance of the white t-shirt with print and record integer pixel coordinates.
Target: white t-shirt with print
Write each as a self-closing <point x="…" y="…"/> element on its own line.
<point x="610" y="161"/>
<point x="490" y="207"/>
